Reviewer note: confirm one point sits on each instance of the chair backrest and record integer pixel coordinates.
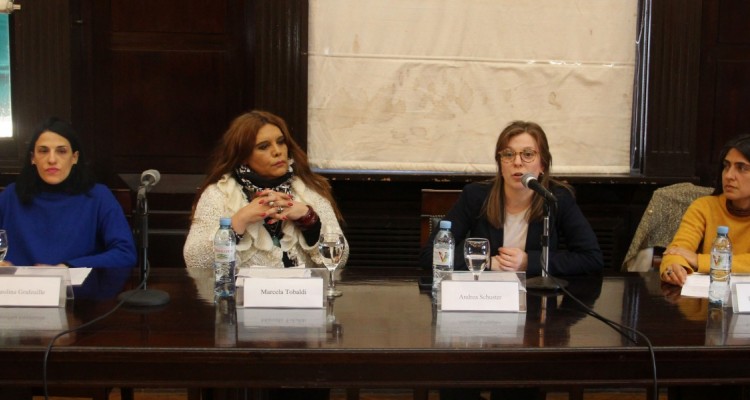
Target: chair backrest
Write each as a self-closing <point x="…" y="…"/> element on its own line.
<point x="659" y="224"/>
<point x="435" y="204"/>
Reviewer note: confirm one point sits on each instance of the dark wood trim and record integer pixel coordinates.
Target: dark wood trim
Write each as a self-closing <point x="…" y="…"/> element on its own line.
<point x="279" y="48"/>
<point x="40" y="73"/>
<point x="673" y="89"/>
<point x="441" y="178"/>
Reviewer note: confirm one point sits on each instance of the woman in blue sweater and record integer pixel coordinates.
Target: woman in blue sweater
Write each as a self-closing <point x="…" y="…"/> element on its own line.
<point x="56" y="214"/>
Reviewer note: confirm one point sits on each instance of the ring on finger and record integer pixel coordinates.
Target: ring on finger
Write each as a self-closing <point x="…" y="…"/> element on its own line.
<point x="270" y="203"/>
<point x="279" y="209"/>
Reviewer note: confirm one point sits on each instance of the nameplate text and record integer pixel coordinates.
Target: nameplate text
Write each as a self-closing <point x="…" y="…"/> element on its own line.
<point x="479" y="296"/>
<point x="30" y="291"/>
<point x="283" y="292"/>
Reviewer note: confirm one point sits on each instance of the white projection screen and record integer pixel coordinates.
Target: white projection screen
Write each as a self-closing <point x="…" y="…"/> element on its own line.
<point x="426" y="86"/>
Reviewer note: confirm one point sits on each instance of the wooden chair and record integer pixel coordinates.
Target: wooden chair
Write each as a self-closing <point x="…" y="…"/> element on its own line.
<point x="435" y="204"/>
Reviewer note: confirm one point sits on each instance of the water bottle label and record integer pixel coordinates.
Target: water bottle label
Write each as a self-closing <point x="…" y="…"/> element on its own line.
<point x="721" y="260"/>
<point x="224" y="253"/>
<point x="442" y="256"/>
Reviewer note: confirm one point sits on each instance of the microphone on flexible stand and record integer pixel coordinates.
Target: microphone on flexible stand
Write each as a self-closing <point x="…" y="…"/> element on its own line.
<point x="530" y="182"/>
<point x="143" y="296"/>
<point x="545" y="281"/>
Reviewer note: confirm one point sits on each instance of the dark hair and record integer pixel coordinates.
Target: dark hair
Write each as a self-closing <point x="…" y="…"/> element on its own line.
<point x="495" y="204"/>
<point x="80" y="180"/>
<point x="740" y="143"/>
<point x="238" y="142"/>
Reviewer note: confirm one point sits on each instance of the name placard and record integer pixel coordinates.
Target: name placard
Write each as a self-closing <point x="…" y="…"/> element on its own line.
<point x="283" y="292"/>
<point x="741" y="297"/>
<point x="459" y="295"/>
<point x="30" y="291"/>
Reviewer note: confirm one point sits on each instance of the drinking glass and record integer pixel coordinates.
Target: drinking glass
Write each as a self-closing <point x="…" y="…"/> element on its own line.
<point x="331" y="246"/>
<point x="3" y="244"/>
<point x="477" y="255"/>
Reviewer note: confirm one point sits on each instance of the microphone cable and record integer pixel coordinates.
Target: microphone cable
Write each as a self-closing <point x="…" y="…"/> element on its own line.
<point x="85" y="325"/>
<point x="619" y="328"/>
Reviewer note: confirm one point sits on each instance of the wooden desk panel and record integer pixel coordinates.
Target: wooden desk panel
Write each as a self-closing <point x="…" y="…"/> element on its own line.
<point x="386" y="334"/>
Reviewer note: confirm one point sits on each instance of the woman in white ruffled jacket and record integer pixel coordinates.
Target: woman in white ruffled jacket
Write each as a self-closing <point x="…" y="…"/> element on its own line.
<point x="260" y="178"/>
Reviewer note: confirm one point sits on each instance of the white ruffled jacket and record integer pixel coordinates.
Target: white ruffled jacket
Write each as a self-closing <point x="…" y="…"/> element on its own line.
<point x="224" y="199"/>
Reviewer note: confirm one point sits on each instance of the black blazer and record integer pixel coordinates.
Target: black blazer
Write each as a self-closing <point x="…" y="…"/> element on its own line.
<point x="582" y="254"/>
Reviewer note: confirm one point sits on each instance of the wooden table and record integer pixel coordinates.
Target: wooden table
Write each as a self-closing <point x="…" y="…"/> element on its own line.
<point x="383" y="332"/>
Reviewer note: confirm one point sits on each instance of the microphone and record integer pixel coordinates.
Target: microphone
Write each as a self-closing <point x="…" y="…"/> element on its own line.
<point x="142" y="296"/>
<point x="150" y="177"/>
<point x="530" y="182"/>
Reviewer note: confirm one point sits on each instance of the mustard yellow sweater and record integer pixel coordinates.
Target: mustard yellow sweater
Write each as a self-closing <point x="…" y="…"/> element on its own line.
<point x="698" y="230"/>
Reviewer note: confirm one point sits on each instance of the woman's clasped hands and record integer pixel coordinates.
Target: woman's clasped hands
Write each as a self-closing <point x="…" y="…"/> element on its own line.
<point x="509" y="259"/>
<point x="274" y="206"/>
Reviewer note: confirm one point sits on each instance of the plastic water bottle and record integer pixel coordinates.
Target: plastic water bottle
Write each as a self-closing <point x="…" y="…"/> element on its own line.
<point x="442" y="256"/>
<point x="224" y="249"/>
<point x="721" y="268"/>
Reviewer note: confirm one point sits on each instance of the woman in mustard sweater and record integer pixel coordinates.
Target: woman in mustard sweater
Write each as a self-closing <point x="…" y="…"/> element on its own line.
<point x="729" y="205"/>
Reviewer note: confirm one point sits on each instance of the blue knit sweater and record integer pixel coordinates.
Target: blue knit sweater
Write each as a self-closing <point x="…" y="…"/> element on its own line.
<point x="86" y="230"/>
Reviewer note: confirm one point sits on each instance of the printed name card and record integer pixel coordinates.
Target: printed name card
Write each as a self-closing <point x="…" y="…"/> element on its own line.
<point x="283" y="292"/>
<point x="460" y="295"/>
<point x="30" y="291"/>
<point x="741" y="297"/>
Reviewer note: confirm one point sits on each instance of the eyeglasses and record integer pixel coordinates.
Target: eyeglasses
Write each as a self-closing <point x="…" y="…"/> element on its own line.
<point x="508" y="156"/>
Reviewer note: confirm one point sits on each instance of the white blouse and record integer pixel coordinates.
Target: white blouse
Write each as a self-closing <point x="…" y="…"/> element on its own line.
<point x="515" y="229"/>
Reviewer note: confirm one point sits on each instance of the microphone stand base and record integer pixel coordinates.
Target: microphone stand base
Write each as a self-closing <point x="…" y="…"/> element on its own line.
<point x="545" y="283"/>
<point x="144" y="297"/>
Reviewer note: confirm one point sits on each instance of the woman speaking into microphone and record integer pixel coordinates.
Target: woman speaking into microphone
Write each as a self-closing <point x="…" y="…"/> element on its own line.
<point x="509" y="211"/>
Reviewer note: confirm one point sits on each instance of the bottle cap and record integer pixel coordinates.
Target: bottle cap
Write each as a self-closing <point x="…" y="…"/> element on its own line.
<point x="445" y="224"/>
<point x="224" y="221"/>
<point x="723" y="230"/>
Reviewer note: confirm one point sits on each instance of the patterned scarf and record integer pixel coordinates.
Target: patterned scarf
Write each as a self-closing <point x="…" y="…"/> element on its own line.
<point x="253" y="183"/>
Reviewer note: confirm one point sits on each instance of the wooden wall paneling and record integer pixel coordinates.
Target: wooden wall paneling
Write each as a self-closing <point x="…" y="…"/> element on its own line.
<point x="169" y="105"/>
<point x="732" y="96"/>
<point x="732" y="22"/>
<point x="673" y="89"/>
<point x="279" y="48"/>
<point x="724" y="81"/>
<point x="40" y="72"/>
<point x="707" y="95"/>
<point x="381" y="221"/>
<point x="168" y="81"/>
